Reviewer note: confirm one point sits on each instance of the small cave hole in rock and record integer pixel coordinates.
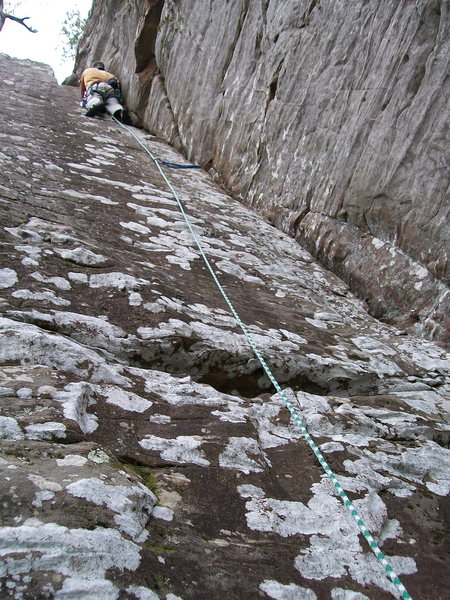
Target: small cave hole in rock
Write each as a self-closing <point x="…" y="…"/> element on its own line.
<point x="247" y="386"/>
<point x="254" y="384"/>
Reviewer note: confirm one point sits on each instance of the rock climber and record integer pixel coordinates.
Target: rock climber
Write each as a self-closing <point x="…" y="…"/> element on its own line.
<point x="100" y="91"/>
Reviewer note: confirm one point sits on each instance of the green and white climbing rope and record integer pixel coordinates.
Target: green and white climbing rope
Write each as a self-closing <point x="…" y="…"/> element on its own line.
<point x="295" y="416"/>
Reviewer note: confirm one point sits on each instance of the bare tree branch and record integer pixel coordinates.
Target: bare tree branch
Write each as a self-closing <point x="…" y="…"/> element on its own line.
<point x="4" y="16"/>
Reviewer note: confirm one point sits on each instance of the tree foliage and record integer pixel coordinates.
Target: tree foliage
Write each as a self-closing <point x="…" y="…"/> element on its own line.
<point x="72" y="29"/>
<point x="4" y="15"/>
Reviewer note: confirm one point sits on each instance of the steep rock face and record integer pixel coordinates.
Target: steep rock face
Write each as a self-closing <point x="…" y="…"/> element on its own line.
<point x="327" y="117"/>
<point x="121" y="365"/>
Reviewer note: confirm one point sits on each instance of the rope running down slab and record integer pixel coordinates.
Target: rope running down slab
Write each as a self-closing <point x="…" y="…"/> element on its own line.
<point x="295" y="416"/>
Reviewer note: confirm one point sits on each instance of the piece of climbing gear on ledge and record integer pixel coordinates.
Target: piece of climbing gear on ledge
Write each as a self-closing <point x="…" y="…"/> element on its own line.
<point x="177" y="166"/>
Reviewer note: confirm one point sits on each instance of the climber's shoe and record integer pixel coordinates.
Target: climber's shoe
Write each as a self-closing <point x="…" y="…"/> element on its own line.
<point x="123" y="116"/>
<point x="91" y="112"/>
<point x="126" y="119"/>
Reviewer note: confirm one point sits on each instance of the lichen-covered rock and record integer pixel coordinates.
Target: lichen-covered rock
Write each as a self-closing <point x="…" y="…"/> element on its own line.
<point x="144" y="453"/>
<point x="327" y="117"/>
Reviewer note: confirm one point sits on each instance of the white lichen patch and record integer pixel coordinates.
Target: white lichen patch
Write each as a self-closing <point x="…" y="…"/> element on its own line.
<point x="159" y="197"/>
<point x="220" y="338"/>
<point x="400" y="471"/>
<point x="329" y="447"/>
<point x="179" y="391"/>
<point x="135" y="299"/>
<point x="81" y="256"/>
<point x="157" y="222"/>
<point x="173" y="597"/>
<point x="24" y="392"/>
<point x="71" y="460"/>
<point x="238" y="455"/>
<point x="324" y="558"/>
<point x="288" y="518"/>
<point x="182" y="258"/>
<point x="139" y="209"/>
<point x="76" y="399"/>
<point x="426" y="355"/>
<point x="125" y="399"/>
<point x="234" y="413"/>
<point x="26" y="231"/>
<point x="48" y="547"/>
<point x="180" y="450"/>
<point x="428" y="464"/>
<point x="270" y="433"/>
<point x="293" y="337"/>
<point x="334" y="549"/>
<point x="28" y="343"/>
<point x="195" y="312"/>
<point x="237" y="271"/>
<point x="28" y="261"/>
<point x="291" y="591"/>
<point x="98" y="456"/>
<point x="136" y="227"/>
<point x="41" y="497"/>
<point x="317" y="323"/>
<point x="46" y="431"/>
<point x="373" y="346"/>
<point x="113" y="183"/>
<point x="95" y="329"/>
<point x="141" y="593"/>
<point x="46" y="296"/>
<point x="377" y="243"/>
<point x="86" y="590"/>
<point x="44" y="484"/>
<point x="427" y="402"/>
<point x="161" y="419"/>
<point x="50" y="166"/>
<point x="81" y="167"/>
<point x="60" y="282"/>
<point x="8" y="278"/>
<point x="86" y="197"/>
<point x="31" y="315"/>
<point x="78" y="277"/>
<point x="10" y="429"/>
<point x="133" y="504"/>
<point x="359" y="429"/>
<point x="5" y="391"/>
<point x="341" y="594"/>
<point x="121" y="281"/>
<point x="163" y="512"/>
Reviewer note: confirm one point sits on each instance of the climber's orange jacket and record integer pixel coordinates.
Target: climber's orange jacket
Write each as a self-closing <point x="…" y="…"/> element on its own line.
<point x="91" y="76"/>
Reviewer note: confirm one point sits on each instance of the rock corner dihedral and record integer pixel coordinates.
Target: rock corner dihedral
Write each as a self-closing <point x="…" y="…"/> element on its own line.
<point x="328" y="118"/>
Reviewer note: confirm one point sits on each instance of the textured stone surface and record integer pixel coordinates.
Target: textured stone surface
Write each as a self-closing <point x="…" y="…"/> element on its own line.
<point x="330" y="118"/>
<point x="144" y="454"/>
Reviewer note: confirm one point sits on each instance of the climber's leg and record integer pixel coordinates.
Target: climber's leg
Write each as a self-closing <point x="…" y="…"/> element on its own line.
<point x="94" y="104"/>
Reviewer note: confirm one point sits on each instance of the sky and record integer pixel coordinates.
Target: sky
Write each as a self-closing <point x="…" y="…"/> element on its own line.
<point x="45" y="46"/>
